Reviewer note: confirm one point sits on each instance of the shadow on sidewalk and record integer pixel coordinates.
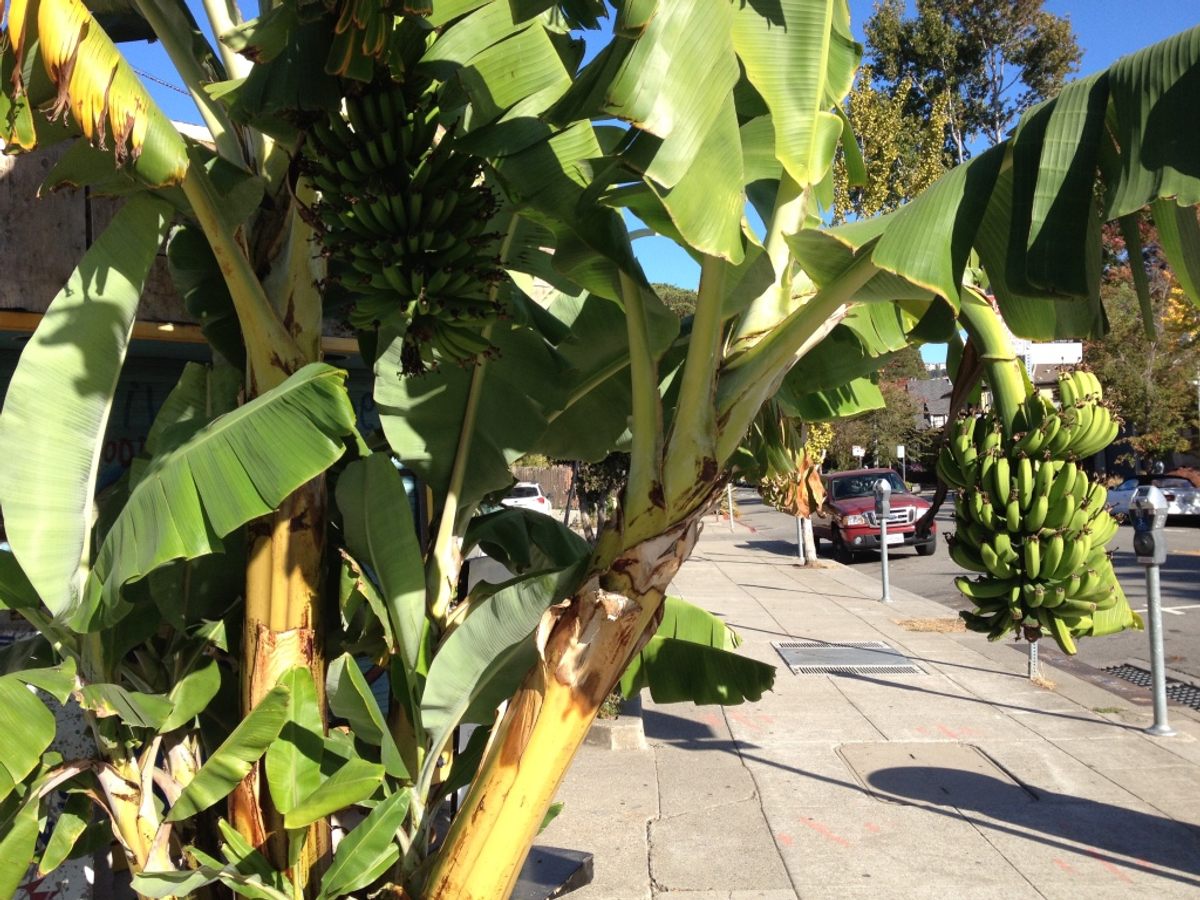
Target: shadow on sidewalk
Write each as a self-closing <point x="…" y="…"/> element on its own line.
<point x="995" y="704"/>
<point x="1103" y="829"/>
<point x="1116" y="837"/>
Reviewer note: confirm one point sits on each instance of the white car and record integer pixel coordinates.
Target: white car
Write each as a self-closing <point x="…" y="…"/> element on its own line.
<point x="528" y="495"/>
<point x="1182" y="498"/>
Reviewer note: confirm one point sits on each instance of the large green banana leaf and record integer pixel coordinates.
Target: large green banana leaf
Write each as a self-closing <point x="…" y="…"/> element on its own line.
<point x="238" y="468"/>
<point x="60" y="398"/>
<point x="231" y="761"/>
<point x="378" y="523"/>
<point x="1020" y="206"/>
<point x="690" y="657"/>
<point x="483" y="660"/>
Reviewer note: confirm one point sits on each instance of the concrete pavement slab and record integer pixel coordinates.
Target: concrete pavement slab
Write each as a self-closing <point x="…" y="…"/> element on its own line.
<point x="1086" y="843"/>
<point x="687" y="851"/>
<point x="890" y="846"/>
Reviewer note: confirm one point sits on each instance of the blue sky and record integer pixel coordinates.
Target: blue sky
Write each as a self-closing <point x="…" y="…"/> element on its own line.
<point x="1105" y="30"/>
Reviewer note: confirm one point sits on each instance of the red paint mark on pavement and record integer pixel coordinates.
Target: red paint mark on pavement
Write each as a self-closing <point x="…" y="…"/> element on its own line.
<point x="1113" y="870"/>
<point x="786" y="839"/>
<point x="745" y="720"/>
<point x="873" y="828"/>
<point x="1064" y="865"/>
<point x="823" y="830"/>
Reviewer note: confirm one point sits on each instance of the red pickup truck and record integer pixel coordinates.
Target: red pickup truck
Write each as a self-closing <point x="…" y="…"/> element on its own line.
<point x="847" y="518"/>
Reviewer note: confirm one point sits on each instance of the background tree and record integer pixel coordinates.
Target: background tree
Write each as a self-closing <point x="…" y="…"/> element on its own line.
<point x="992" y="59"/>
<point x="680" y="300"/>
<point x="878" y="431"/>
<point x="903" y="152"/>
<point x="1150" y="358"/>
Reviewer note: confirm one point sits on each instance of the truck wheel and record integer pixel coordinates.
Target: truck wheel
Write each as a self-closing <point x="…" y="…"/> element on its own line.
<point x="841" y="552"/>
<point x="926" y="549"/>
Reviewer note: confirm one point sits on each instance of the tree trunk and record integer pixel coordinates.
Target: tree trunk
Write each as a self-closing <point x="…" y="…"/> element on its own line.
<point x="584" y="645"/>
<point x="810" y="541"/>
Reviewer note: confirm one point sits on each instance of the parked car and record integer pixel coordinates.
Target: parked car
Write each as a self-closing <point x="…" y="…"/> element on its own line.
<point x="847" y="518"/>
<point x="528" y="495"/>
<point x="1182" y="497"/>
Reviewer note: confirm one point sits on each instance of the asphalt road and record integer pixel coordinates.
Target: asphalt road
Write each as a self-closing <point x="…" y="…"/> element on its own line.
<point x="933" y="577"/>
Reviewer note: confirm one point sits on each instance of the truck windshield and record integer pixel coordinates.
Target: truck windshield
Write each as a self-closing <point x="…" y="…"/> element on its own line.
<point x="863" y="485"/>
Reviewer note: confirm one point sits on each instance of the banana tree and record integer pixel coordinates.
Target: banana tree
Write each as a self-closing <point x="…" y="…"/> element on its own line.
<point x="386" y="135"/>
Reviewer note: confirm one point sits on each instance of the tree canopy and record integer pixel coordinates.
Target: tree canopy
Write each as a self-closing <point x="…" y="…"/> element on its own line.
<point x="992" y="59"/>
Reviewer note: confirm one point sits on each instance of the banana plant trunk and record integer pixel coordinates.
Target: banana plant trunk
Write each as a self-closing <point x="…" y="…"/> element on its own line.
<point x="584" y="645"/>
<point x="281" y="631"/>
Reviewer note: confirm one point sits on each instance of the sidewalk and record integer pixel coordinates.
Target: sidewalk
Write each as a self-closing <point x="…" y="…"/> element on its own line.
<point x="965" y="780"/>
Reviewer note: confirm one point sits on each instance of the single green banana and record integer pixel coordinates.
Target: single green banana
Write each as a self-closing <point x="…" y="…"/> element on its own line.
<point x="1052" y="553"/>
<point x="966" y="557"/>
<point x="1036" y="516"/>
<point x="1025" y="482"/>
<point x="1013" y="513"/>
<point x="1058" y="516"/>
<point x="985" y="588"/>
<point x="1033" y="556"/>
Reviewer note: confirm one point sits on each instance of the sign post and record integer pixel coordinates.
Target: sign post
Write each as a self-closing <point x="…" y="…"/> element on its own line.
<point x="900" y="454"/>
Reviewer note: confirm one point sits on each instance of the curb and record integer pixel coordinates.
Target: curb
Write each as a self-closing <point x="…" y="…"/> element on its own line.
<point x="622" y="733"/>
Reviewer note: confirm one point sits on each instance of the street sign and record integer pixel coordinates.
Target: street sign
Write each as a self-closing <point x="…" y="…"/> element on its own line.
<point x="858" y="451"/>
<point x="899" y="451"/>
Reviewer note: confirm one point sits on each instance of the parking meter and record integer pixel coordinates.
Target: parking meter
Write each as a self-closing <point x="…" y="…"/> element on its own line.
<point x="883" y="498"/>
<point x="883" y="506"/>
<point x="1148" y="513"/>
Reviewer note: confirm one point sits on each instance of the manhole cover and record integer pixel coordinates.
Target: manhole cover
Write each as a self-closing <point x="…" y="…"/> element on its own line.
<point x="844" y="658"/>
<point x="1179" y="691"/>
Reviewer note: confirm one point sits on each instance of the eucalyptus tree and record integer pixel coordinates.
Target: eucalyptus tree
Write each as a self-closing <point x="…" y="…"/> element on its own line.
<point x="413" y="171"/>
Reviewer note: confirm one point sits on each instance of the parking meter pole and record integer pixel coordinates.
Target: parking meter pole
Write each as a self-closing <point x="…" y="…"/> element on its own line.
<point x="1148" y="514"/>
<point x="883" y="559"/>
<point x="1158" y="675"/>
<point x="883" y="508"/>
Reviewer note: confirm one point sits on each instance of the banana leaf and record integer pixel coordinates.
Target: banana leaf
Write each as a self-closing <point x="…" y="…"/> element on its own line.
<point x="59" y="401"/>
<point x="103" y="93"/>
<point x="231" y="761"/>
<point x="380" y="533"/>
<point x="525" y="541"/>
<point x="368" y="850"/>
<point x="28" y="728"/>
<point x="218" y="480"/>
<point x="690" y="657"/>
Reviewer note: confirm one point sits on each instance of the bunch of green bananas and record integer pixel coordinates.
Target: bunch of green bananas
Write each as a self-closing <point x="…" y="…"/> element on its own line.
<point x="404" y="215"/>
<point x="1030" y="521"/>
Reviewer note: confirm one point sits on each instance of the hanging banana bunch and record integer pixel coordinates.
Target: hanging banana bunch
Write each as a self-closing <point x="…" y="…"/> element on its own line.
<point x="1032" y="524"/>
<point x="404" y="215"/>
<point x="363" y="32"/>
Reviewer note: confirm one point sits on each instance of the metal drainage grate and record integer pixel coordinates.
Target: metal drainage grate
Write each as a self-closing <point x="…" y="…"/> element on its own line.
<point x="1180" y="691"/>
<point x="844" y="658"/>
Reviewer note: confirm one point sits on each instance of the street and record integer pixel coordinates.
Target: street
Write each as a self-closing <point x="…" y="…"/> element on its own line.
<point x="933" y="577"/>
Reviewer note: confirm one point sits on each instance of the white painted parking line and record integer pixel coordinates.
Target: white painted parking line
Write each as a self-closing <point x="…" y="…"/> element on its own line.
<point x="1174" y="610"/>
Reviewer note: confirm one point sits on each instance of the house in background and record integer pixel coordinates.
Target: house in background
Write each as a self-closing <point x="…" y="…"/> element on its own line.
<point x="932" y="396"/>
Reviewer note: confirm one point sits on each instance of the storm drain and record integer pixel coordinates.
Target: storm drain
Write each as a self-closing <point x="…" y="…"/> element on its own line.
<point x="844" y="658"/>
<point x="1179" y="691"/>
